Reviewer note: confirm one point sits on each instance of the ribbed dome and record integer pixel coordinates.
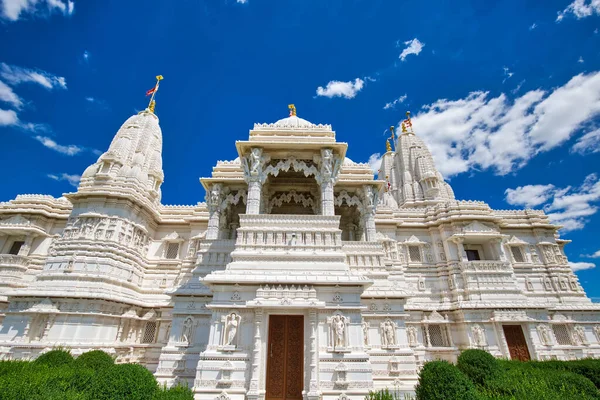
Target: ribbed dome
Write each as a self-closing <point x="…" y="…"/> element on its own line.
<point x="293" y="122"/>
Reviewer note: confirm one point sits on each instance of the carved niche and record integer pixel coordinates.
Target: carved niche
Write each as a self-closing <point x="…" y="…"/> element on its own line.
<point x="338" y="333"/>
<point x="388" y="334"/>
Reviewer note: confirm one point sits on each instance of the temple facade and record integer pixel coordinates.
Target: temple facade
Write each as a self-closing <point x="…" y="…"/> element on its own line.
<point x="301" y="276"/>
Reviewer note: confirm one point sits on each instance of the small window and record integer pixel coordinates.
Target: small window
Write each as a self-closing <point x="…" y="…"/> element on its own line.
<point x="149" y="332"/>
<point x="15" y="248"/>
<point x="172" y="250"/>
<point x="437" y="336"/>
<point x="414" y="253"/>
<point x="473" y="255"/>
<point x="105" y="168"/>
<point x="517" y="254"/>
<point x="561" y="332"/>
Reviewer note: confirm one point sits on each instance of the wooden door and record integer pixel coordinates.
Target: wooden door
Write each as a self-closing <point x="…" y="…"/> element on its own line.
<point x="517" y="345"/>
<point x="285" y="358"/>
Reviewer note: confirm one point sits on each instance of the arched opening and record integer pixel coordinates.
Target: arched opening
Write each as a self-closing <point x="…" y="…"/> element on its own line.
<point x="291" y="192"/>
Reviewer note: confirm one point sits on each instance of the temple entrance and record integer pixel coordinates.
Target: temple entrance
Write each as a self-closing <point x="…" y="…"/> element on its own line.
<point x="517" y="345"/>
<point x="285" y="357"/>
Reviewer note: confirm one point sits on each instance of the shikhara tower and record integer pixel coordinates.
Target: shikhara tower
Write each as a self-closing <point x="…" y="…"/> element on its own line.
<point x="300" y="276"/>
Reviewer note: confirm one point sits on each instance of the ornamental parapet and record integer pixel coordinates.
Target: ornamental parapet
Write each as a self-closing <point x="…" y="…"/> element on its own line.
<point x="364" y="254"/>
<point x="485" y="266"/>
<point x="10" y="260"/>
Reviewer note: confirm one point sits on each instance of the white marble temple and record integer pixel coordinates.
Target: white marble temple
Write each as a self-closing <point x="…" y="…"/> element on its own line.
<point x="387" y="274"/>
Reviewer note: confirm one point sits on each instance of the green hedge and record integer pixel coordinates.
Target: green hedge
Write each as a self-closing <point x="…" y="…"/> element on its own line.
<point x="442" y="380"/>
<point x="480" y="376"/>
<point x="93" y="376"/>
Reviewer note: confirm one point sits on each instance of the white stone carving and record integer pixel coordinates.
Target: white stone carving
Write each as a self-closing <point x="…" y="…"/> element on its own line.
<point x="544" y="334"/>
<point x="187" y="331"/>
<point x="388" y="334"/>
<point x="230" y="333"/>
<point x="338" y="333"/>
<point x="479" y="337"/>
<point x="411" y="333"/>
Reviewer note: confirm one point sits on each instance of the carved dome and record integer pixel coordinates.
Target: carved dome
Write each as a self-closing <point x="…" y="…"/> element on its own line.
<point x="293" y="122"/>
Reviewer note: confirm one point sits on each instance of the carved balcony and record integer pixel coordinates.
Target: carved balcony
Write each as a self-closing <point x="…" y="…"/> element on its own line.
<point x="275" y="238"/>
<point x="12" y="268"/>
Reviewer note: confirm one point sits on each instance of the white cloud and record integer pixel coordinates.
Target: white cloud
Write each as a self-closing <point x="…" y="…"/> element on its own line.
<point x="570" y="207"/>
<point x="595" y="255"/>
<point x="580" y="60"/>
<point x="581" y="9"/>
<point x="8" y="118"/>
<point x="530" y="195"/>
<point x="588" y="143"/>
<point x="533" y="26"/>
<point x="8" y="96"/>
<point x="12" y="10"/>
<point x="392" y="104"/>
<point x="507" y="74"/>
<point x="479" y="132"/>
<point x="580" y="266"/>
<point x="375" y="162"/>
<point x="341" y="89"/>
<point x="72" y="179"/>
<point x="15" y="75"/>
<point x="69" y="150"/>
<point x="412" y="47"/>
<point x="86" y="55"/>
<point x="242" y="1"/>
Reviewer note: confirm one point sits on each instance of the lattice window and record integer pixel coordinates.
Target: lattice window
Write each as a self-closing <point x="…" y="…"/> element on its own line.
<point x="172" y="250"/>
<point x="437" y="336"/>
<point x="414" y="253"/>
<point x="517" y="254"/>
<point x="149" y="332"/>
<point x="561" y="332"/>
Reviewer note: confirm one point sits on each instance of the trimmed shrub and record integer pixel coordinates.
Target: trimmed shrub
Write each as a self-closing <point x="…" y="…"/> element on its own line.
<point x="55" y="358"/>
<point x="523" y="381"/>
<point x="590" y="368"/>
<point x="442" y="380"/>
<point x="123" y="381"/>
<point x="478" y="365"/>
<point x="178" y="392"/>
<point x="95" y="360"/>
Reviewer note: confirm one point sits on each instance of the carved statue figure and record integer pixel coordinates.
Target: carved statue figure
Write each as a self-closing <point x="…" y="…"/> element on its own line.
<point x="339" y="326"/>
<point x="544" y="333"/>
<point x="388" y="330"/>
<point x="186" y="333"/>
<point x="411" y="332"/>
<point x="478" y="335"/>
<point x="365" y="328"/>
<point x="597" y="332"/>
<point x="327" y="161"/>
<point x="579" y="333"/>
<point x="255" y="160"/>
<point x="231" y="327"/>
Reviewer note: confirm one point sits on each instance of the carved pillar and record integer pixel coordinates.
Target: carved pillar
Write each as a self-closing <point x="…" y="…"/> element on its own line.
<point x="253" y="174"/>
<point x="253" y="393"/>
<point x="24" y="250"/>
<point x="213" y="201"/>
<point x="313" y="391"/>
<point x="254" y="196"/>
<point x="370" y="200"/>
<point x="327" y="207"/>
<point x="329" y="166"/>
<point x="462" y="256"/>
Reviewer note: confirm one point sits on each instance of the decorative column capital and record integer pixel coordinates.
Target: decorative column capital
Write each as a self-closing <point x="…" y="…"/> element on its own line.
<point x="254" y="164"/>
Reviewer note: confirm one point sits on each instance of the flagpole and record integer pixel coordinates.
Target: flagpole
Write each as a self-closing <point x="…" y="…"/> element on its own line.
<point x="158" y="79"/>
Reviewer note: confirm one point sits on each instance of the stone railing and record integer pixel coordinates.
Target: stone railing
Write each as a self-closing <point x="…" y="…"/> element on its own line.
<point x="289" y="233"/>
<point x="10" y="260"/>
<point x="485" y="266"/>
<point x="314" y="238"/>
<point x="364" y="254"/>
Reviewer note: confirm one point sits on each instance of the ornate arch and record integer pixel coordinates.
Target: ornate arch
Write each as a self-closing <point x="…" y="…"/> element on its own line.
<point x="289" y="197"/>
<point x="285" y="165"/>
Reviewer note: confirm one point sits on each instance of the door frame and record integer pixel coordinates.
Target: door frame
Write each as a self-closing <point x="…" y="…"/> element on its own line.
<point x="526" y="336"/>
<point x="265" y="347"/>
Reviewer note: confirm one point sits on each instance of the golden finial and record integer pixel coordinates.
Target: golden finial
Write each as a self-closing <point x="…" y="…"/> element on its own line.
<point x="151" y="106"/>
<point x="407" y="123"/>
<point x="388" y="146"/>
<point x="403" y="127"/>
<point x="292" y="110"/>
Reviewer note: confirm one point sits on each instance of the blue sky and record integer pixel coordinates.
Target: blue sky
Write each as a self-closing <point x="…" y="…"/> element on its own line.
<point x="506" y="93"/>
